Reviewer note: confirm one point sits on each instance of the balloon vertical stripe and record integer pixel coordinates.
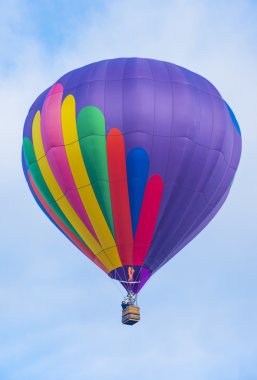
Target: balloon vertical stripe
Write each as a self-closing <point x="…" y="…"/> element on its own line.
<point x="83" y="184"/>
<point x="137" y="171"/>
<point x="119" y="195"/>
<point x="92" y="140"/>
<point x="54" y="147"/>
<point x="147" y="219"/>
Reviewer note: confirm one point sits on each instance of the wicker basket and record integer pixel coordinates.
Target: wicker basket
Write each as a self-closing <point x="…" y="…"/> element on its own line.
<point x="131" y="315"/>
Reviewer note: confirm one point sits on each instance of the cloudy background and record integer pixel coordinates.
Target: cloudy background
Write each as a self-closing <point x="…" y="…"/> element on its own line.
<point x="59" y="315"/>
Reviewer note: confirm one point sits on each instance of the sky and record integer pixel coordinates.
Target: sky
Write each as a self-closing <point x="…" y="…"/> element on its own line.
<point x="60" y="315"/>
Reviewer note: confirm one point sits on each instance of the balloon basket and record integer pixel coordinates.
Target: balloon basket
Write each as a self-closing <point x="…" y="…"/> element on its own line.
<point x="131" y="315"/>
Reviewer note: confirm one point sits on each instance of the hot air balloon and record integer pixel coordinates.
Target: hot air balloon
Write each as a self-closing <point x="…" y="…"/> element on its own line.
<point x="130" y="158"/>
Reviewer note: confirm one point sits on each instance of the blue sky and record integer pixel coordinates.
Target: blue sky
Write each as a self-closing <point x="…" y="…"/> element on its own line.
<point x="60" y="316"/>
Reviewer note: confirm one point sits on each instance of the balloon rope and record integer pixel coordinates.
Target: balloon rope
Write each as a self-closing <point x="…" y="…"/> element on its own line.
<point x="139" y="274"/>
<point x="117" y="286"/>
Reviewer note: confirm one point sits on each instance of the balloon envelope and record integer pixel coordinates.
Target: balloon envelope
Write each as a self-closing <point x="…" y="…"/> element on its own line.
<point x="130" y="158"/>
